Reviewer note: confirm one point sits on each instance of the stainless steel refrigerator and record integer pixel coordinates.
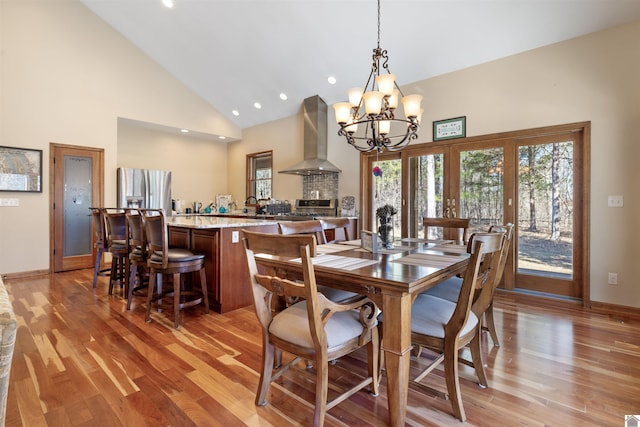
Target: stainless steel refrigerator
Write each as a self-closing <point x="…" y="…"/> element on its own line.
<point x="144" y="188"/>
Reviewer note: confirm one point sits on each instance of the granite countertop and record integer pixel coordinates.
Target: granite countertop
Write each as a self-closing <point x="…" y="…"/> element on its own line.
<point x="210" y="221"/>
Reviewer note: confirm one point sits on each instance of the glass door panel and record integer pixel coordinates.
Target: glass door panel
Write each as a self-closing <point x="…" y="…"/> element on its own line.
<point x="481" y="188"/>
<point x="387" y="190"/>
<point x="426" y="186"/>
<point x="545" y="210"/>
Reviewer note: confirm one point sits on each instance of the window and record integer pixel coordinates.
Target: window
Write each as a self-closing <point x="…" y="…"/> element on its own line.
<point x="259" y="175"/>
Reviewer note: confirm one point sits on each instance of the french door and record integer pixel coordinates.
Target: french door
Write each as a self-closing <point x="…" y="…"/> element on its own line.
<point x="535" y="179"/>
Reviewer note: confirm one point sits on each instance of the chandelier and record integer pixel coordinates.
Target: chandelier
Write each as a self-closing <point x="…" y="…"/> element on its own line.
<point x="373" y="110"/>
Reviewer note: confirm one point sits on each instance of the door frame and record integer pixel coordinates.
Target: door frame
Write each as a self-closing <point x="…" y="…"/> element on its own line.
<point x="56" y="195"/>
<point x="583" y="153"/>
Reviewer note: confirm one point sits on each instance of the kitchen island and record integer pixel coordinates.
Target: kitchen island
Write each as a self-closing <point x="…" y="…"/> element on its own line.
<point x="220" y="239"/>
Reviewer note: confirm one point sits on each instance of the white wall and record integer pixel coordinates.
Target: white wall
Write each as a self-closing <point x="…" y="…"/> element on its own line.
<point x="66" y="77"/>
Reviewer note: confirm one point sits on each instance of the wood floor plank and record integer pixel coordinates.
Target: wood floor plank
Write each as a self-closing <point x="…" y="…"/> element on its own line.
<point x="82" y="359"/>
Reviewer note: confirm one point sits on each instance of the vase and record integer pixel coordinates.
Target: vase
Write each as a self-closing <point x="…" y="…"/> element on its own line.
<point x="385" y="231"/>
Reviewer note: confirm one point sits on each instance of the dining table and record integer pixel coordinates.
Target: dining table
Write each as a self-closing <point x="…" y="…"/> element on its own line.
<point x="392" y="278"/>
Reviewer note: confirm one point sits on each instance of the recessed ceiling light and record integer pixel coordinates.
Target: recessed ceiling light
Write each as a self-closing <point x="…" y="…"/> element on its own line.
<point x="235" y="113"/>
<point x="283" y="96"/>
<point x="257" y="105"/>
<point x="331" y="80"/>
<point x="184" y="130"/>
<point x="222" y="137"/>
<point x="168" y="3"/>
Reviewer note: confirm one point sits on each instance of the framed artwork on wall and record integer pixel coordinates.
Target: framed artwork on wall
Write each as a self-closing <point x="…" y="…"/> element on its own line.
<point x="450" y="128"/>
<point x="20" y="169"/>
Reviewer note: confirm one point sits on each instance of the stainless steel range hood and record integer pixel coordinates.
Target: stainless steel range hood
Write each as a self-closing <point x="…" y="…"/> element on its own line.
<point x="315" y="141"/>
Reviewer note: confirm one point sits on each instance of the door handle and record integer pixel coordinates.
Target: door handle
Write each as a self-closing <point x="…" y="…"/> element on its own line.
<point x="453" y="208"/>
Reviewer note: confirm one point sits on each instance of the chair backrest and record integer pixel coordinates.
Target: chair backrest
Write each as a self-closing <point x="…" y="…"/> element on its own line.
<point x="275" y="244"/>
<point x="484" y="246"/>
<point x="116" y="226"/>
<point x="452" y="228"/>
<point x="137" y="235"/>
<point x="155" y="227"/>
<point x="336" y="224"/>
<point x="492" y="279"/>
<point x="304" y="227"/>
<point x="99" y="232"/>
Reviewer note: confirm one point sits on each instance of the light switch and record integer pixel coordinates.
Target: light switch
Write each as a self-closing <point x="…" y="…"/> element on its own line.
<point x="235" y="236"/>
<point x="615" y="201"/>
<point x="9" y="202"/>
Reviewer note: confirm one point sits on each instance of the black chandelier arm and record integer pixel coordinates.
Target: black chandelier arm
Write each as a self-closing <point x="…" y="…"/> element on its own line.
<point x="380" y="142"/>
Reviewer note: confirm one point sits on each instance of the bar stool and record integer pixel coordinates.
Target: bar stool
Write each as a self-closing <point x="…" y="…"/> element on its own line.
<point x="117" y="237"/>
<point x="175" y="261"/>
<point x="138" y="254"/>
<point x="99" y="243"/>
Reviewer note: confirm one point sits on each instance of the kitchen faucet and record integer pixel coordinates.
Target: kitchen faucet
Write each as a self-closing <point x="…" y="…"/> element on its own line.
<point x="246" y="202"/>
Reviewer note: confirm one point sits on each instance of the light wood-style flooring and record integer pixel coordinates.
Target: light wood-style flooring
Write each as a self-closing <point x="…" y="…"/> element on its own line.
<point x="82" y="360"/>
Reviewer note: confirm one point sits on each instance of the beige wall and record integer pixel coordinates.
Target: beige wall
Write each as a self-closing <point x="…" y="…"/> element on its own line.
<point x="198" y="166"/>
<point x="66" y="77"/>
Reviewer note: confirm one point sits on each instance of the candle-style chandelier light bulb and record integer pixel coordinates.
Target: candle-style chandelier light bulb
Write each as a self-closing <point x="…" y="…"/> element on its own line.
<point x="372" y="109"/>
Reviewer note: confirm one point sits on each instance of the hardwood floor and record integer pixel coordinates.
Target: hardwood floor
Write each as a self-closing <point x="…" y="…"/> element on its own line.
<point x="81" y="359"/>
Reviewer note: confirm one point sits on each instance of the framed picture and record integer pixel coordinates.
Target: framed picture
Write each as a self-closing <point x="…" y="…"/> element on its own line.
<point x="20" y="169"/>
<point x="450" y="128"/>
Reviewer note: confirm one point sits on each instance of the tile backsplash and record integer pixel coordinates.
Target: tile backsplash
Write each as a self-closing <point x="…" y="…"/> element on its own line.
<point x="320" y="186"/>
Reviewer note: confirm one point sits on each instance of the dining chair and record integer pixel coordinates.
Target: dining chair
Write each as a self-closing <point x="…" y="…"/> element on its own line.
<point x="314" y="328"/>
<point x="315" y="228"/>
<point x="174" y="261"/>
<point x="445" y="327"/>
<point x="336" y="224"/>
<point x="450" y="288"/>
<point x="451" y="228"/>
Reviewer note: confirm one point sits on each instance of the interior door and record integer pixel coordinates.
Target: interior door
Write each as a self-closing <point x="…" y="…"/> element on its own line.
<point x="76" y="184"/>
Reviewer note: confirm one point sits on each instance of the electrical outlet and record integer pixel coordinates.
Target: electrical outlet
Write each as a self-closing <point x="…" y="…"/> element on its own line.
<point x="613" y="278"/>
<point x="615" y="201"/>
<point x="235" y="236"/>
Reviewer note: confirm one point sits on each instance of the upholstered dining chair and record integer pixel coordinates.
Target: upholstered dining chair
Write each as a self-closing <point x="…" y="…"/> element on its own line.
<point x="445" y="327"/>
<point x="174" y="261"/>
<point x="315" y="228"/>
<point x="314" y="328"/>
<point x="483" y="307"/>
<point x="452" y="228"/>
<point x="336" y="224"/>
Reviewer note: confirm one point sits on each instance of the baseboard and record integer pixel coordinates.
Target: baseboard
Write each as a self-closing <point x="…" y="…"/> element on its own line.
<point x="615" y="309"/>
<point x="24" y="274"/>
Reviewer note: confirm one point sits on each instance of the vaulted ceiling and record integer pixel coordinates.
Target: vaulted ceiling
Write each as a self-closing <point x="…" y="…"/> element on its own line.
<point x="234" y="53"/>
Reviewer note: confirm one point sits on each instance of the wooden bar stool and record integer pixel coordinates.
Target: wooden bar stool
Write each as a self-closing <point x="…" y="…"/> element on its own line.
<point x="117" y="237"/>
<point x="100" y="245"/>
<point x="138" y="254"/>
<point x="175" y="261"/>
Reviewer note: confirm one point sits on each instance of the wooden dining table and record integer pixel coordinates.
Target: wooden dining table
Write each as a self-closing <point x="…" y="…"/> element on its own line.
<point x="391" y="278"/>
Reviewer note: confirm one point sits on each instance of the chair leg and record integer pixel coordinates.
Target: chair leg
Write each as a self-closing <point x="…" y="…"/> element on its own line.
<point x="176" y="300"/>
<point x="491" y="325"/>
<point x="152" y="285"/>
<point x="373" y="360"/>
<point x="205" y="294"/>
<point x="96" y="270"/>
<point x="114" y="273"/>
<point x="131" y="285"/>
<point x="322" y="389"/>
<point x="268" y="352"/>
<point x="476" y="357"/>
<point x="451" y="375"/>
